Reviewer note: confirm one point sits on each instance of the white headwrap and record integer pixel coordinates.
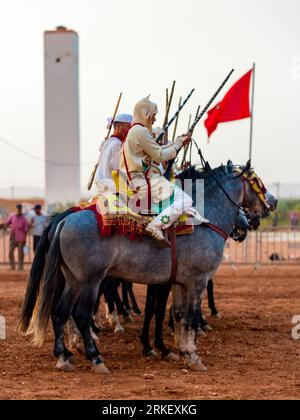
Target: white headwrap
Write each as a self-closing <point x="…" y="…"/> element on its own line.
<point x="121" y="118"/>
<point x="144" y="111"/>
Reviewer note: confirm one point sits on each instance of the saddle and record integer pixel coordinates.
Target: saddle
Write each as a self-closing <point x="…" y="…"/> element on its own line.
<point x="115" y="217"/>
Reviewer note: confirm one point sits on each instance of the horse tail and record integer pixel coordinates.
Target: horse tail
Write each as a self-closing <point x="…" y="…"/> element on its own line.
<point x="36" y="274"/>
<point x="53" y="284"/>
<point x="34" y="281"/>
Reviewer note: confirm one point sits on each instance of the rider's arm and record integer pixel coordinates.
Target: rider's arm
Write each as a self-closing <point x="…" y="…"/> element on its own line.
<point x="156" y="152"/>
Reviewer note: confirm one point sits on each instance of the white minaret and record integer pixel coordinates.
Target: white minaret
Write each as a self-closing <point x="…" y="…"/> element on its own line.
<point x="62" y="116"/>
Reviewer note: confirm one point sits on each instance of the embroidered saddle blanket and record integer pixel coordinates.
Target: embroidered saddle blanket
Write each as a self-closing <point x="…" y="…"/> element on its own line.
<point x="113" y="216"/>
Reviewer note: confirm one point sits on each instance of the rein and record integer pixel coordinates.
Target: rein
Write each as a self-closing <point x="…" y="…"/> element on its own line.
<point x="252" y="179"/>
<point x="205" y="164"/>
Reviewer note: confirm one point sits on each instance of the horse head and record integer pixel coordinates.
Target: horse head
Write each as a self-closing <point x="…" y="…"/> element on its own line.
<point x="257" y="201"/>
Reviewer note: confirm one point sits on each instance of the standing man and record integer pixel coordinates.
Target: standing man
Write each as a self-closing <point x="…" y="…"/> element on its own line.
<point x="19" y="228"/>
<point x="38" y="224"/>
<point x="110" y="153"/>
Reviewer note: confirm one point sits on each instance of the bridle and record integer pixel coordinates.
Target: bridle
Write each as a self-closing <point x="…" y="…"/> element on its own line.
<point x="247" y="175"/>
<point x="256" y="185"/>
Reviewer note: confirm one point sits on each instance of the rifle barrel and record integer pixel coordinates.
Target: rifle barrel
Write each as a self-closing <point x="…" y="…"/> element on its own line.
<point x="166" y="128"/>
<point x="210" y="102"/>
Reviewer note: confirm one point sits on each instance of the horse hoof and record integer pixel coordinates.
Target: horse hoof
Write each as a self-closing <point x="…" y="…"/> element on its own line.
<point x="217" y="316"/>
<point x="101" y="369"/>
<point x="119" y="329"/>
<point x="198" y="367"/>
<point x="64" y="366"/>
<point x="128" y="319"/>
<point x="201" y="333"/>
<point x="151" y="354"/>
<point x="171" y="357"/>
<point x="207" y="328"/>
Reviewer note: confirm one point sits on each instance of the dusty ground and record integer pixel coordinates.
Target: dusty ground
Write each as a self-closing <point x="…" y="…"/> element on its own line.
<point x="250" y="354"/>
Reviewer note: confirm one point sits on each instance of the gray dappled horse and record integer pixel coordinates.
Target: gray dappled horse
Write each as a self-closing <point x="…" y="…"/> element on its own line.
<point x="78" y="255"/>
<point x="157" y="296"/>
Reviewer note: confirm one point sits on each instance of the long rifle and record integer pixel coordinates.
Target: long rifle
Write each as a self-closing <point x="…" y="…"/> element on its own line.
<point x="169" y="103"/>
<point x="193" y="126"/>
<point x="189" y="145"/>
<point x="176" y="122"/>
<point x="210" y="102"/>
<point x="169" y="100"/>
<point x="167" y="126"/>
<point x="92" y="177"/>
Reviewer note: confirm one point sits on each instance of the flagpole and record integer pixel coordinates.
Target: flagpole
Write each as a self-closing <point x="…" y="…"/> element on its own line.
<point x="252" y="112"/>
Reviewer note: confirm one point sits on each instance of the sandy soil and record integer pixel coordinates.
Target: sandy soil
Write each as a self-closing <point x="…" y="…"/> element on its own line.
<point x="250" y="354"/>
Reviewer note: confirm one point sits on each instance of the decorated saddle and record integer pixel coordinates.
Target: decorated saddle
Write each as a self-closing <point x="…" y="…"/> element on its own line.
<point x="114" y="213"/>
<point x="114" y="216"/>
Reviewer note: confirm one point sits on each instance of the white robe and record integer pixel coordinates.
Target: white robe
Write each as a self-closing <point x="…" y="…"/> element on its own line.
<point x="108" y="161"/>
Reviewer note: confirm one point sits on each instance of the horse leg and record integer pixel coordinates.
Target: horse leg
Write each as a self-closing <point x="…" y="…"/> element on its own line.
<point x="134" y="304"/>
<point x="211" y="299"/>
<point x="188" y="314"/>
<point x="125" y="299"/>
<point x="60" y="315"/>
<point x="96" y="329"/>
<point x="96" y="321"/>
<point x="120" y="305"/>
<point x="148" y="350"/>
<point x="74" y="336"/>
<point x="163" y="293"/>
<point x="171" y="325"/>
<point x="203" y="324"/>
<point x="111" y="313"/>
<point x="83" y="317"/>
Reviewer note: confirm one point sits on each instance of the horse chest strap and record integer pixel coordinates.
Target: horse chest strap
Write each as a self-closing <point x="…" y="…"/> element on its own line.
<point x="218" y="230"/>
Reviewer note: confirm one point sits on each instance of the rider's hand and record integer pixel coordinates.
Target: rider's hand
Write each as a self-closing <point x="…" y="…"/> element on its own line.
<point x="186" y="139"/>
<point x="182" y="141"/>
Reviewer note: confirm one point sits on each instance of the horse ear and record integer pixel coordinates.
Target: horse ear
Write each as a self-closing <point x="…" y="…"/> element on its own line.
<point x="248" y="166"/>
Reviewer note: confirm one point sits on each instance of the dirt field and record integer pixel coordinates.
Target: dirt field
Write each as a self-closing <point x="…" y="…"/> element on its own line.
<point x="250" y="354"/>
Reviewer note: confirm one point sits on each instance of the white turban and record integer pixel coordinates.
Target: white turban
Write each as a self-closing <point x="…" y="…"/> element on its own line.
<point x="121" y="118"/>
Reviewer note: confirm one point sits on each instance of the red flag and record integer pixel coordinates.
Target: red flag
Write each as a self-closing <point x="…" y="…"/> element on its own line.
<point x="234" y="106"/>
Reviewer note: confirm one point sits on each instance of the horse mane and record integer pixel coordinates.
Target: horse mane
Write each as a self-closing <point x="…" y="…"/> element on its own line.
<point x="211" y="177"/>
<point x="221" y="173"/>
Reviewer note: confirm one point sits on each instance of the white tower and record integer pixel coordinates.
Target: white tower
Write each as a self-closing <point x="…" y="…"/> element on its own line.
<point x="62" y="146"/>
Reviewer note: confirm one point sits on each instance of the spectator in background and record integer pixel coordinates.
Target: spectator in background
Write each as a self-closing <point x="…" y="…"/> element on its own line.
<point x="19" y="228"/>
<point x="275" y="221"/>
<point x="294" y="219"/>
<point x="38" y="223"/>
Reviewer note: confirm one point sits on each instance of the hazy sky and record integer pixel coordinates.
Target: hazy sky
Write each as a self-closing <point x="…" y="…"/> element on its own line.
<point x="139" y="47"/>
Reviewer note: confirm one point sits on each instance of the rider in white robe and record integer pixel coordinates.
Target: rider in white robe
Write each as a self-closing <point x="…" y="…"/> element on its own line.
<point x="110" y="154"/>
<point x="140" y="160"/>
